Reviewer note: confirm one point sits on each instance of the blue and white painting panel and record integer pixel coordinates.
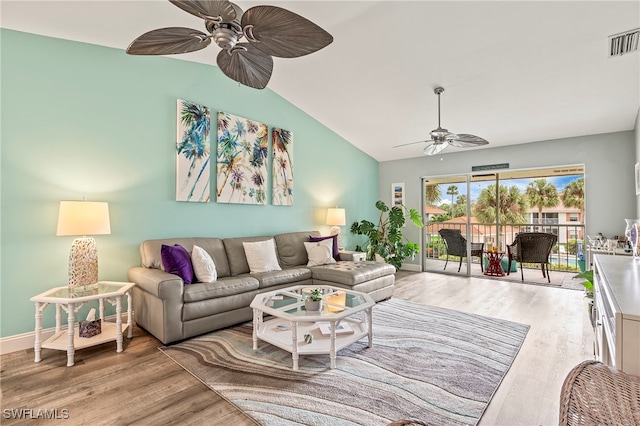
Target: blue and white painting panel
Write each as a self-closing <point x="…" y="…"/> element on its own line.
<point x="193" y="170"/>
<point x="282" y="184"/>
<point x="243" y="147"/>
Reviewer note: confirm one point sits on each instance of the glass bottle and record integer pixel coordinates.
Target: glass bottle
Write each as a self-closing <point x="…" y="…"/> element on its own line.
<point x="631" y="232"/>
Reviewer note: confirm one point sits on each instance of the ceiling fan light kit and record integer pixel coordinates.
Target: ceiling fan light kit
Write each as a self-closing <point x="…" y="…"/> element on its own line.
<point x="269" y="30"/>
<point x="442" y="138"/>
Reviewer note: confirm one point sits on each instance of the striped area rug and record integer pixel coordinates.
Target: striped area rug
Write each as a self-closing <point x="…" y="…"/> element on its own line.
<point x="431" y="364"/>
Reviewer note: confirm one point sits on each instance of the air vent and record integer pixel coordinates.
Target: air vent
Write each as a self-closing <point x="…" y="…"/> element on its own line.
<point x="623" y="43"/>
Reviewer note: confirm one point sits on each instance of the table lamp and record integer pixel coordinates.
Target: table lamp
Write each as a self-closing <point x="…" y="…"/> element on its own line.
<point x="82" y="218"/>
<point x="336" y="218"/>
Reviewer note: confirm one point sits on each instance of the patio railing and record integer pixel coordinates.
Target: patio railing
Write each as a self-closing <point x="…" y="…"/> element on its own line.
<point x="564" y="256"/>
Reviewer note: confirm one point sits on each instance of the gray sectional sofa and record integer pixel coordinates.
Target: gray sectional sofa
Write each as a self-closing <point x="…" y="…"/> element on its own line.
<point x="172" y="311"/>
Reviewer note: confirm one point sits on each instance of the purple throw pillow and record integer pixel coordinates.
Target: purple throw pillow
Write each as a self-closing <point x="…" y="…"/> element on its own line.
<point x="336" y="252"/>
<point x="176" y="260"/>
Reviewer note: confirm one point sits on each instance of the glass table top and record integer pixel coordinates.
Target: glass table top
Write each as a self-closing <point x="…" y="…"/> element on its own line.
<point x="335" y="301"/>
<point x="90" y="291"/>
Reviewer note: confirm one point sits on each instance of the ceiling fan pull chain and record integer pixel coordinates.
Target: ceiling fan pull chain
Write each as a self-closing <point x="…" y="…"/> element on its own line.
<point x="248" y="33"/>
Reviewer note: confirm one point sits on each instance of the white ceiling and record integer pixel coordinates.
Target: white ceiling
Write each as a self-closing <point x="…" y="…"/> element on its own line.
<point x="513" y="71"/>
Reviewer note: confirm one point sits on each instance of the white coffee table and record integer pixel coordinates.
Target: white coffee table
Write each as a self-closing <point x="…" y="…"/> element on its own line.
<point x="290" y="322"/>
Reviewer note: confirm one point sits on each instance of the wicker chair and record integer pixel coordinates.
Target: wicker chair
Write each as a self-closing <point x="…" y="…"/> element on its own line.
<point x="595" y="394"/>
<point x="532" y="247"/>
<point x="456" y="245"/>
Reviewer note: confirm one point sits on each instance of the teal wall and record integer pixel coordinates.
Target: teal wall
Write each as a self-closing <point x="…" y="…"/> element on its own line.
<point x="80" y="120"/>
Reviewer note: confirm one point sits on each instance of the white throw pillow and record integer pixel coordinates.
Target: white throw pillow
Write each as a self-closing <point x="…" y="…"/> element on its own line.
<point x="261" y="256"/>
<point x="203" y="266"/>
<point x="320" y="252"/>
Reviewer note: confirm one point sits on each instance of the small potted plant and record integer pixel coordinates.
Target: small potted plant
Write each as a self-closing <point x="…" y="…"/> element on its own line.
<point x="313" y="300"/>
<point x="587" y="276"/>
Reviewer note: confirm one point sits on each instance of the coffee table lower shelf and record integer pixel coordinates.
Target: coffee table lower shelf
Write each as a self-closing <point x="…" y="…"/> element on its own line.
<point x="269" y="332"/>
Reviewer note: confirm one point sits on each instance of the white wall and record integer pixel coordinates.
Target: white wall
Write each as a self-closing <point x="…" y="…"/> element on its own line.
<point x="637" y="136"/>
<point x="609" y="174"/>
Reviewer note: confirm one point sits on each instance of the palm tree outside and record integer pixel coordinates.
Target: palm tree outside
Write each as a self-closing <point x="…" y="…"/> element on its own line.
<point x="573" y="194"/>
<point x="460" y="208"/>
<point x="433" y="194"/>
<point x="511" y="206"/>
<point x="453" y="191"/>
<point x="541" y="193"/>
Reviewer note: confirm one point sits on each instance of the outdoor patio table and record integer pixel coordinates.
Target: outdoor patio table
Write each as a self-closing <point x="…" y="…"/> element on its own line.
<point x="494" y="267"/>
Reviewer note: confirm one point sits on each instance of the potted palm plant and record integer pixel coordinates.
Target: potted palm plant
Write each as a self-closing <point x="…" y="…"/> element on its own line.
<point x="386" y="238"/>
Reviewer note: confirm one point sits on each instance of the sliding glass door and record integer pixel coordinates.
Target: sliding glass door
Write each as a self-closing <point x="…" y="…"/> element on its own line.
<point x="446" y="222"/>
<point x="487" y="209"/>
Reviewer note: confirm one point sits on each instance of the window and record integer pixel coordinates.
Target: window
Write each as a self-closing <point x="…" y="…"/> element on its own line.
<point x="547" y="218"/>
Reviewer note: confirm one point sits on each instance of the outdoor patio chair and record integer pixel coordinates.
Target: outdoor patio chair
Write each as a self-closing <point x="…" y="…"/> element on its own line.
<point x="532" y="247"/>
<point x="456" y="245"/>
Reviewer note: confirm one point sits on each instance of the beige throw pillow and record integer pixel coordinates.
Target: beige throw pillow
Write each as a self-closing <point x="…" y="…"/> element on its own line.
<point x="261" y="256"/>
<point x="320" y="252"/>
<point x="203" y="266"/>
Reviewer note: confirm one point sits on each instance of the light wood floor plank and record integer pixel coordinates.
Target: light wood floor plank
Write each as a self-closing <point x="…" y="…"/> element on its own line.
<point x="143" y="386"/>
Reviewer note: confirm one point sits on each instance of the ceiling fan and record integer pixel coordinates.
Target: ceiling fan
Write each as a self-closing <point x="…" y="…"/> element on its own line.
<point x="269" y="30"/>
<point x="442" y="138"/>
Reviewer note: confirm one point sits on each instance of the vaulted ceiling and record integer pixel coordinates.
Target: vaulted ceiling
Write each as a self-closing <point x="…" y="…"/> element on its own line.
<point x="513" y="71"/>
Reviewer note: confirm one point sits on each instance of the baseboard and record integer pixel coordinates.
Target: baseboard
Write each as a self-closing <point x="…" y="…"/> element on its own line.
<point x="411" y="267"/>
<point x="24" y="341"/>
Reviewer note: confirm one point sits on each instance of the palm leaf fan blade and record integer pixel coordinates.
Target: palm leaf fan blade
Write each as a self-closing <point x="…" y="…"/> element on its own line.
<point x="463" y="140"/>
<point x="281" y="33"/>
<point x="435" y="148"/>
<point x="247" y="65"/>
<point x="169" y="41"/>
<point x="209" y="9"/>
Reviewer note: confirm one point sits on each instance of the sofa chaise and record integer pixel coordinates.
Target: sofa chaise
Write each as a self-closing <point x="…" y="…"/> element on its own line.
<point x="171" y="310"/>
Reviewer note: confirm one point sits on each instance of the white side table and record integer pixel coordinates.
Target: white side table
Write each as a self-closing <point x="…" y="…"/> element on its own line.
<point x="71" y="302"/>
<point x="354" y="256"/>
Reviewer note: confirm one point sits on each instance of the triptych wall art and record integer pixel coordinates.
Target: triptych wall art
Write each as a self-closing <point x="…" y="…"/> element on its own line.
<point x="242" y="159"/>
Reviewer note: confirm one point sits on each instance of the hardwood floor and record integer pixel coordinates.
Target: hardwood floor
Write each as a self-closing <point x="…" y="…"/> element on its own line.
<point x="143" y="386"/>
<point x="559" y="338"/>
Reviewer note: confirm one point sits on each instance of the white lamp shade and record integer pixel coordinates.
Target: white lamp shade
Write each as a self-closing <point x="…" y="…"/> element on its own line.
<point x="336" y="217"/>
<point x="83" y="218"/>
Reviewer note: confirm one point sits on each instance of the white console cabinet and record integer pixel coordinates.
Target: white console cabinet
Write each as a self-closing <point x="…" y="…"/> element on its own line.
<point x="617" y="304"/>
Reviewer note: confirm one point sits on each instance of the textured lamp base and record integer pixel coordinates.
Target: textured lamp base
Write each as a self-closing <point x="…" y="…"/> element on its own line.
<point x="83" y="262"/>
<point x="335" y="230"/>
